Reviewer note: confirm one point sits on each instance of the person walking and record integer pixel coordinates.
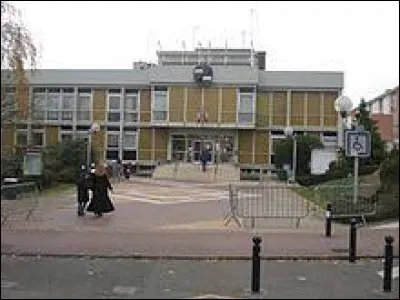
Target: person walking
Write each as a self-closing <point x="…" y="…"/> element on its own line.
<point x="100" y="202"/>
<point x="82" y="191"/>
<point x="204" y="157"/>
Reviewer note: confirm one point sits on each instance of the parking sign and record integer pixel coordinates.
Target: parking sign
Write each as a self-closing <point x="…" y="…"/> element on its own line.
<point x="358" y="143"/>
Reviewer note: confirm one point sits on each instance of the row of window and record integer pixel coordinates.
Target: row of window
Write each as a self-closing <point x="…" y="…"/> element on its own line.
<point x="57" y="104"/>
<point x="128" y="144"/>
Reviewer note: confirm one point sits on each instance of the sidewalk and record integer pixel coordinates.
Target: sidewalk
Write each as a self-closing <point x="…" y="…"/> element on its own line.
<point x="151" y="229"/>
<point x="211" y="244"/>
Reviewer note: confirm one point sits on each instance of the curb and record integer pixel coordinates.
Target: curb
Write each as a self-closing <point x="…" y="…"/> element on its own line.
<point x="196" y="257"/>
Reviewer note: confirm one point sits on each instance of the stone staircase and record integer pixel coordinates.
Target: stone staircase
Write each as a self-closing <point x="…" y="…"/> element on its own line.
<point x="226" y="172"/>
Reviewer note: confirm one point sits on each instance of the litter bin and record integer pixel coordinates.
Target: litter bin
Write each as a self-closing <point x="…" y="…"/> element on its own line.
<point x="9" y="193"/>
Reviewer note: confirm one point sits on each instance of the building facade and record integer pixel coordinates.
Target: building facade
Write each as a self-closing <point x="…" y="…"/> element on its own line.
<point x="384" y="109"/>
<point x="221" y="98"/>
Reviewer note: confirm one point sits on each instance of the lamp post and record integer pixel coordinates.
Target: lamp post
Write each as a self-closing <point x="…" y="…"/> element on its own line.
<point x="343" y="105"/>
<point x="290" y="133"/>
<point x="95" y="127"/>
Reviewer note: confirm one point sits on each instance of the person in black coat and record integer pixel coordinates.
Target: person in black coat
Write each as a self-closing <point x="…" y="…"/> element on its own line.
<point x="100" y="202"/>
<point x="82" y="191"/>
<point x="204" y="157"/>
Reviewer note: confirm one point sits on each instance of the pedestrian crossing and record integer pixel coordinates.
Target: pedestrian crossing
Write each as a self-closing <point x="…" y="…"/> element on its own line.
<point x="157" y="196"/>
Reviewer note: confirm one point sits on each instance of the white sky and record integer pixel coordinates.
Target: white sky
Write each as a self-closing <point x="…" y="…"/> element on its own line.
<point x="359" y="38"/>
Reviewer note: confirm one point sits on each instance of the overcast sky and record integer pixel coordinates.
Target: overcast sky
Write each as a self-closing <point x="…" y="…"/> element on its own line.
<point x="359" y="38"/>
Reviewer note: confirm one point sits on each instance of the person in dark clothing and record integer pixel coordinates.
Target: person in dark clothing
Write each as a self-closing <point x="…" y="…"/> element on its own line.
<point x="100" y="202"/>
<point x="82" y="191"/>
<point x="204" y="157"/>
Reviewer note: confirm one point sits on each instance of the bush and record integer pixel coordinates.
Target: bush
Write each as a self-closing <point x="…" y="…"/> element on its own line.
<point x="282" y="174"/>
<point x="309" y="180"/>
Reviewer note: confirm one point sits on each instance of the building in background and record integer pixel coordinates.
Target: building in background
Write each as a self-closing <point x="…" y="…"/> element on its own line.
<point x="152" y="114"/>
<point x="384" y="109"/>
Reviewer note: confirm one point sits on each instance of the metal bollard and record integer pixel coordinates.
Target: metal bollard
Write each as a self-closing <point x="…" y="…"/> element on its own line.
<point x="255" y="276"/>
<point x="328" y="220"/>
<point x="353" y="240"/>
<point x="388" y="264"/>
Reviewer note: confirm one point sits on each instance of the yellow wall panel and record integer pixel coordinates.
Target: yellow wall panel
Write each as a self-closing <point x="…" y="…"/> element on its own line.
<point x="211" y="104"/>
<point x="51" y="135"/>
<point x="193" y="104"/>
<point x="297" y="108"/>
<point x="7" y="142"/>
<point x="229" y="100"/>
<point x="145" y="105"/>
<point x="330" y="114"/>
<point x="262" y="147"/>
<point x="145" y="144"/>
<point x="263" y="109"/>
<point x="176" y="100"/>
<point x="161" y="144"/>
<point x="279" y="108"/>
<point x="245" y="147"/>
<point x="99" y="105"/>
<point x="313" y="108"/>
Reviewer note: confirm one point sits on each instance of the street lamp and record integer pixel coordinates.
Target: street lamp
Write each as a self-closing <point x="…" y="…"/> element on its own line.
<point x="95" y="127"/>
<point x="343" y="105"/>
<point x="290" y="133"/>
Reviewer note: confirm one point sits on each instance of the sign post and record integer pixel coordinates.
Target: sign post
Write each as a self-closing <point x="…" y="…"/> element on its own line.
<point x="358" y="144"/>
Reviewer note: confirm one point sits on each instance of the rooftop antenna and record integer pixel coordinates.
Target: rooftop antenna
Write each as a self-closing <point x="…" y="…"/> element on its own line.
<point x="183" y="51"/>
<point x="199" y="53"/>
<point x="195" y="28"/>
<point x="226" y="52"/>
<point x="209" y="52"/>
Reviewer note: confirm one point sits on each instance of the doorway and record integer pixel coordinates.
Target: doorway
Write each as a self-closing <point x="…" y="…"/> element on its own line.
<point x="197" y="146"/>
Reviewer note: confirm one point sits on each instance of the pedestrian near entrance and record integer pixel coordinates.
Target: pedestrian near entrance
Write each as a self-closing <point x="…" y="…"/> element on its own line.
<point x="101" y="202"/>
<point x="82" y="190"/>
<point x="204" y="157"/>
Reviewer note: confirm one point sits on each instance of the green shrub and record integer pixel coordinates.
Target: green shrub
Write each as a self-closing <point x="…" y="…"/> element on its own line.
<point x="282" y="174"/>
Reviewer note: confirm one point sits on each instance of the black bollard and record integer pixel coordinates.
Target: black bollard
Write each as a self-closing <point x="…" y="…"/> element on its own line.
<point x="328" y="220"/>
<point x="388" y="264"/>
<point x="353" y="240"/>
<point x="255" y="277"/>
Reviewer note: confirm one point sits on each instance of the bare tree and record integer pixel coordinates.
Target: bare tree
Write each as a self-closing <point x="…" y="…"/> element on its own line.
<point x="17" y="53"/>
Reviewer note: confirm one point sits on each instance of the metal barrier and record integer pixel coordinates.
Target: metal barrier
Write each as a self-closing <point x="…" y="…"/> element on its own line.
<point x="27" y="192"/>
<point x="343" y="204"/>
<point x="265" y="201"/>
<point x="18" y="190"/>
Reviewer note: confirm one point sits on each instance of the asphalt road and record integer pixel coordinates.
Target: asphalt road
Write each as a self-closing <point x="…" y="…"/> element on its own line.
<point x="45" y="278"/>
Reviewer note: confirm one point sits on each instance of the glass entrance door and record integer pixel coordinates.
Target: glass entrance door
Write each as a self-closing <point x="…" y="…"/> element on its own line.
<point x="197" y="147"/>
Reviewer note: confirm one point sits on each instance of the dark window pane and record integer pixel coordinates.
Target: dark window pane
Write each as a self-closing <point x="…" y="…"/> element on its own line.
<point x="129" y="155"/>
<point x="161" y="88"/>
<point x="131" y="91"/>
<point x="112" y="154"/>
<point x="84" y="90"/>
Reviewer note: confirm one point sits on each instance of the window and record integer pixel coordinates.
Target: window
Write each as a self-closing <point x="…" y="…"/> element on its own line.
<point x="38" y="104"/>
<point x="130" y="106"/>
<point x="38" y="138"/>
<point x="246" y="105"/>
<point x="83" y="105"/>
<point x="112" y="146"/>
<point x="53" y="106"/>
<point x="160" y="102"/>
<point x="130" y="144"/>
<point x="67" y="104"/>
<point x="130" y="140"/>
<point x="66" y="136"/>
<point x="9" y="100"/>
<point x="22" y="138"/>
<point x="114" y="105"/>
